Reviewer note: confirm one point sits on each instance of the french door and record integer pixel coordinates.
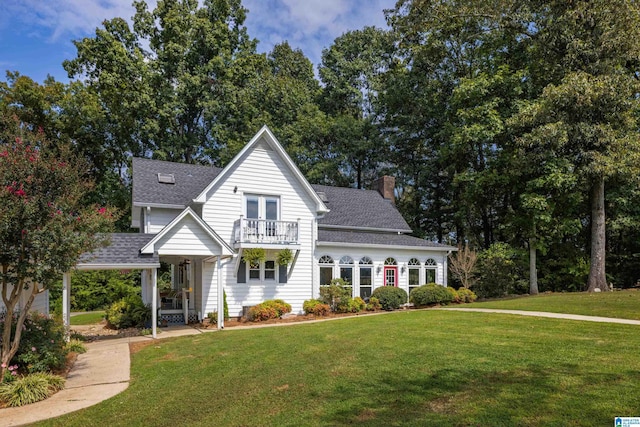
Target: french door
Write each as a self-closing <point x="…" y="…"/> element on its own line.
<point x="391" y="275"/>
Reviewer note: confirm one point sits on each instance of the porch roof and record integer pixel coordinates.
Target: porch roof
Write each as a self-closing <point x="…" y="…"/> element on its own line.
<point x="123" y="252"/>
<point x="368" y="239"/>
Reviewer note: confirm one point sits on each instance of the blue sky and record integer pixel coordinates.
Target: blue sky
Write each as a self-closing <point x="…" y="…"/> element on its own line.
<point x="36" y="35"/>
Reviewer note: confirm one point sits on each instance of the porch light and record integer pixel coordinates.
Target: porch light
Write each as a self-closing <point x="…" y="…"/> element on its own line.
<point x="403" y="269"/>
<point x="378" y="269"/>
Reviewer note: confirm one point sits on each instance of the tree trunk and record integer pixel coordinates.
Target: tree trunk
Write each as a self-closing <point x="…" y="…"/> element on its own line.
<point x="597" y="278"/>
<point x="533" y="272"/>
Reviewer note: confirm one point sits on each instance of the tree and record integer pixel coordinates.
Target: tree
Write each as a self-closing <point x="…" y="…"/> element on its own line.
<point x="585" y="57"/>
<point x="463" y="265"/>
<point x="44" y="228"/>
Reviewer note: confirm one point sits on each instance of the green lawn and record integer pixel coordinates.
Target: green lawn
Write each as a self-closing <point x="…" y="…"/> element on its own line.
<point x="423" y="367"/>
<point x="87" y="318"/>
<point x="621" y="304"/>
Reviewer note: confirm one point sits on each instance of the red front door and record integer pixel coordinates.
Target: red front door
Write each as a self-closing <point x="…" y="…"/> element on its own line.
<point x="390" y="275"/>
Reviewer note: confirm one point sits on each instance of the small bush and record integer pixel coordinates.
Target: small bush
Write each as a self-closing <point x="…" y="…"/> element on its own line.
<point x="466" y="295"/>
<point x="390" y="297"/>
<point x="128" y="312"/>
<point x="30" y="389"/>
<point x="373" y="304"/>
<point x="270" y="309"/>
<point x="42" y="345"/>
<point x="336" y="294"/>
<point x="430" y="294"/>
<point x="213" y="317"/>
<point x="356" y="305"/>
<point x="316" y="307"/>
<point x="455" y="298"/>
<point x="76" y="346"/>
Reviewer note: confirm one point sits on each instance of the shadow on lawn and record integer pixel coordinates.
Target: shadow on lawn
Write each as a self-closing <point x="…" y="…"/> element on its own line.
<point x="534" y="395"/>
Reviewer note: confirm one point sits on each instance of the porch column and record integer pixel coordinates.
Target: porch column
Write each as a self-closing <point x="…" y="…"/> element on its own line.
<point x="220" y="294"/>
<point x="66" y="302"/>
<point x="154" y="301"/>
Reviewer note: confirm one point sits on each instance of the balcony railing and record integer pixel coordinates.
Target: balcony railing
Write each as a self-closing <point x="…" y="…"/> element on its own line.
<point x="266" y="231"/>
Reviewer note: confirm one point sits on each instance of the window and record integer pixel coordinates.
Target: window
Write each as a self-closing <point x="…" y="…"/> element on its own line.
<point x="390" y="261"/>
<point x="366" y="269"/>
<point x="269" y="270"/>
<point x="414" y="274"/>
<point x="326" y="270"/>
<point x="254" y="271"/>
<point x="346" y="269"/>
<point x="262" y="207"/>
<point x="430" y="268"/>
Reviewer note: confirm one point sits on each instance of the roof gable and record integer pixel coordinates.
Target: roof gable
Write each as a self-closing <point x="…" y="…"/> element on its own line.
<point x="264" y="135"/>
<point x="190" y="226"/>
<point x="360" y="209"/>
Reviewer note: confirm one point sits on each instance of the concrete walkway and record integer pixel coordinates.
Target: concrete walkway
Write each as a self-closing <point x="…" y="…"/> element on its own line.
<point x="103" y="371"/>
<point x="547" y="314"/>
<point x="100" y="373"/>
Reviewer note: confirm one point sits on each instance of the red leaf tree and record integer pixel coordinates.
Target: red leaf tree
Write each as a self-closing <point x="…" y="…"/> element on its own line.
<point x="44" y="226"/>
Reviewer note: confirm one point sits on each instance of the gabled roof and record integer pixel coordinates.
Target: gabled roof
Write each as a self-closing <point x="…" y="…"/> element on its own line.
<point x="264" y="134"/>
<point x="123" y="252"/>
<point x="364" y="239"/>
<point x="362" y="209"/>
<point x="188" y="212"/>
<point x="189" y="180"/>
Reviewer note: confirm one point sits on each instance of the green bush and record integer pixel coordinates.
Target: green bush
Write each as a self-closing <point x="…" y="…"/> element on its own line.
<point x="42" y="345"/>
<point x="373" y="304"/>
<point x="502" y="272"/>
<point x="30" y="389"/>
<point x="128" y="312"/>
<point x="316" y="307"/>
<point x="430" y="294"/>
<point x="466" y="295"/>
<point x="76" y="346"/>
<point x="356" y="305"/>
<point x="336" y="294"/>
<point x="455" y="298"/>
<point x="390" y="297"/>
<point x="270" y="309"/>
<point x="213" y="317"/>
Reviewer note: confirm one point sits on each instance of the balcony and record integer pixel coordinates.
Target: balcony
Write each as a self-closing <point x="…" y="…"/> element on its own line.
<point x="266" y="233"/>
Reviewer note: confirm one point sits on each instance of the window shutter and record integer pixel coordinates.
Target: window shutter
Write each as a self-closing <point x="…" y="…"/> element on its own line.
<point x="242" y="272"/>
<point x="282" y="274"/>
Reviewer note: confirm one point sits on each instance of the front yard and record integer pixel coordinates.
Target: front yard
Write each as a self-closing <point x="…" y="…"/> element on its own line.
<point x="406" y="368"/>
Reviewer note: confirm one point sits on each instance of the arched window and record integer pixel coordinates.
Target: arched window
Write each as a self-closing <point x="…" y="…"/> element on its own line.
<point x="390" y="261"/>
<point x="430" y="269"/>
<point x="346" y="260"/>
<point x="414" y="274"/>
<point x="366" y="277"/>
<point x="326" y="270"/>
<point x="346" y="269"/>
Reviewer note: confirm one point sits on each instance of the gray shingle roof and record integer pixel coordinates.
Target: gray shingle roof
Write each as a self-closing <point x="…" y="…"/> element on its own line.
<point x="351" y="207"/>
<point x="123" y="249"/>
<point x="369" y="238"/>
<point x="190" y="181"/>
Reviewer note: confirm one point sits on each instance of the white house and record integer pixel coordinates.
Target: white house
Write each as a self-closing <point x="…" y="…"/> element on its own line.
<point x="200" y="220"/>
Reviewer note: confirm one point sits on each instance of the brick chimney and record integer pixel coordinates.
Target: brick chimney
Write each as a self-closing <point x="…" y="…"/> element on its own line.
<point x="386" y="186"/>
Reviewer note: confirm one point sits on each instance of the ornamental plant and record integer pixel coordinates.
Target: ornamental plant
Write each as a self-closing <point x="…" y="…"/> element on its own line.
<point x="44" y="225"/>
<point x="430" y="294"/>
<point x="390" y="297"/>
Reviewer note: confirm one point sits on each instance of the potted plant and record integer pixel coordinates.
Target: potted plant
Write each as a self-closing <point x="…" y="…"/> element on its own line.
<point x="254" y="256"/>
<point x="285" y="256"/>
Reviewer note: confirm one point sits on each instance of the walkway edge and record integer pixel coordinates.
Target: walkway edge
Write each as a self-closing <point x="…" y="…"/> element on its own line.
<point x="546" y="314"/>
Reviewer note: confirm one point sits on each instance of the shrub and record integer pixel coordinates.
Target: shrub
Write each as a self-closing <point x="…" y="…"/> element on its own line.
<point x="501" y="270"/>
<point x="128" y="312"/>
<point x="336" y="294"/>
<point x="356" y="305"/>
<point x="466" y="295"/>
<point x="42" y="346"/>
<point x="316" y="307"/>
<point x="373" y="304"/>
<point x="454" y="294"/>
<point x="390" y="297"/>
<point x="213" y="317"/>
<point x="270" y="309"/>
<point x="76" y="346"/>
<point x="30" y="389"/>
<point x="430" y="294"/>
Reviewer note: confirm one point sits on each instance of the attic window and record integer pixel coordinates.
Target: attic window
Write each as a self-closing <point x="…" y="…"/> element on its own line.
<point x="166" y="178"/>
<point x="323" y="196"/>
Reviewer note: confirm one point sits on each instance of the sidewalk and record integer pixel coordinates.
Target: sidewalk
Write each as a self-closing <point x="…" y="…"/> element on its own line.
<point x="100" y="373"/>
<point x="547" y="314"/>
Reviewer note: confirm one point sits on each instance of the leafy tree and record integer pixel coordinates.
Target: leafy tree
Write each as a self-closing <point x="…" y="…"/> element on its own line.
<point x="44" y="227"/>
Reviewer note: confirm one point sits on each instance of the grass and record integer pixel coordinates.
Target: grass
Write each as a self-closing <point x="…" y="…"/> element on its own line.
<point x="423" y="367"/>
<point x="620" y="304"/>
<point x="90" y="318"/>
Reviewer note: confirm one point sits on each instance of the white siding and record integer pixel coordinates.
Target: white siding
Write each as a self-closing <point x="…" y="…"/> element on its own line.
<point x="209" y="301"/>
<point x="263" y="172"/>
<point x="40" y="303"/>
<point x="159" y="218"/>
<point x="378" y="256"/>
<point x="187" y="238"/>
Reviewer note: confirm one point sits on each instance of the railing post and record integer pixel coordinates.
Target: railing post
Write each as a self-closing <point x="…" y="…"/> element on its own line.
<point x="298" y="231"/>
<point x="242" y="226"/>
